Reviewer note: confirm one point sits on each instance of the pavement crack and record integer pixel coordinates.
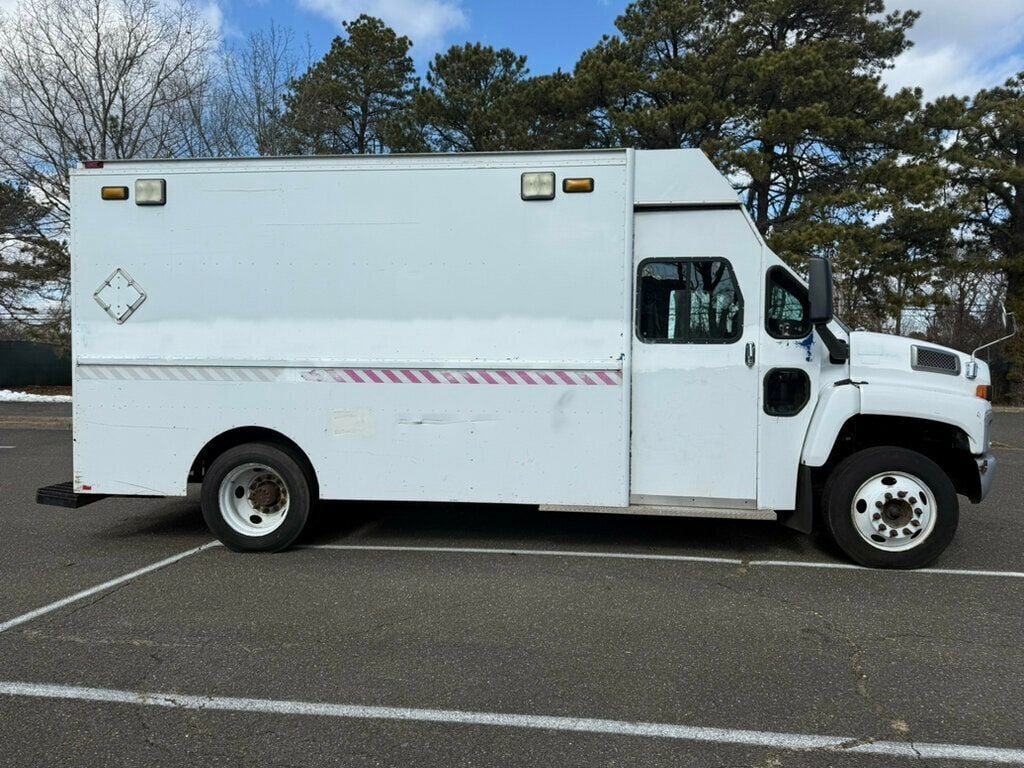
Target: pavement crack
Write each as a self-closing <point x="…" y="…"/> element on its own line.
<point x="99" y="599"/>
<point x="853" y="743"/>
<point x="857" y="667"/>
<point x="134" y="642"/>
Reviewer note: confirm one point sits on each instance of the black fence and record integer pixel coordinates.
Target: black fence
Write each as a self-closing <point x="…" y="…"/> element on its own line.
<point x="27" y="363"/>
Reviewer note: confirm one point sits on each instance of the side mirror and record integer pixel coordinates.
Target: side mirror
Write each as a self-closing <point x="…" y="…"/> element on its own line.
<point x="819" y="290"/>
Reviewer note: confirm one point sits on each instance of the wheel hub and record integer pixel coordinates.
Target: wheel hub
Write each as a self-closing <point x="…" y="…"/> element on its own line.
<point x="267" y="494"/>
<point x="897" y="512"/>
<point x="254" y="499"/>
<point x="894" y="511"/>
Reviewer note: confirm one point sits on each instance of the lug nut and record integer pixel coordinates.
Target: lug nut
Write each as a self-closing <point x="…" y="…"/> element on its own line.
<point x="916" y="523"/>
<point x="876" y="516"/>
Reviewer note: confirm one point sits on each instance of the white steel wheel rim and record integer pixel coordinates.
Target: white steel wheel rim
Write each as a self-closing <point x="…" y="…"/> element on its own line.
<point x="894" y="511"/>
<point x="254" y="499"/>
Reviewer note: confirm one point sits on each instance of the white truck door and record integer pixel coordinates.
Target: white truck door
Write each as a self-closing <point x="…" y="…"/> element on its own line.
<point x="789" y="359"/>
<point x="694" y="374"/>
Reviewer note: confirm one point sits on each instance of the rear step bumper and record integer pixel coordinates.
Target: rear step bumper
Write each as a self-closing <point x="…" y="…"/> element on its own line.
<point x="63" y="495"/>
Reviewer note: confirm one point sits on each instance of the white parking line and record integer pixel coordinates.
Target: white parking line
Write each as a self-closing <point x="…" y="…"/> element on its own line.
<point x="646" y="556"/>
<point x="921" y="571"/>
<point x="11" y="623"/>
<point x="769" y="739"/>
<point x="6" y="447"/>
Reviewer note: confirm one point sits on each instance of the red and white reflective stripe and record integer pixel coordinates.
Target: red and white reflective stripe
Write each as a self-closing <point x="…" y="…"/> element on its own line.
<point x="551" y="378"/>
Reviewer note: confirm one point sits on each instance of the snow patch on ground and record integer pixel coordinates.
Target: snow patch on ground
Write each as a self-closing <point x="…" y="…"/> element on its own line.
<point x="9" y="396"/>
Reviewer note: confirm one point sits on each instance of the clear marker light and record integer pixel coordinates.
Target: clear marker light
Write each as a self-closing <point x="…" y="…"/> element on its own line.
<point x="150" y="192"/>
<point x="538" y="186"/>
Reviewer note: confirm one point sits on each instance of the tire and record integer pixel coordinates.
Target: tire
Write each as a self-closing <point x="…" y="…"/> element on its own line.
<point x="890" y="507"/>
<point x="257" y="497"/>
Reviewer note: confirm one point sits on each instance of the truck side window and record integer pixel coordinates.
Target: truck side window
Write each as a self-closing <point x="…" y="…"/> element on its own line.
<point x="785" y="315"/>
<point x="688" y="301"/>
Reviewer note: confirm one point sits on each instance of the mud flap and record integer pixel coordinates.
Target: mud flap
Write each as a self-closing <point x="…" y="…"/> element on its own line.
<point x="802" y="518"/>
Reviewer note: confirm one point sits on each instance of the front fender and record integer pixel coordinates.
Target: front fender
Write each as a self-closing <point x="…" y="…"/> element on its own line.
<point x="836" y="405"/>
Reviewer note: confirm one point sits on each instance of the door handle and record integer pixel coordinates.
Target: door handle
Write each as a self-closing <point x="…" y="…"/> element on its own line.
<point x="749" y="356"/>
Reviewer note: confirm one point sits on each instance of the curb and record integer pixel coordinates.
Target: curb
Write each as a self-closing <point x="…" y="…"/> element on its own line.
<point x="35" y="422"/>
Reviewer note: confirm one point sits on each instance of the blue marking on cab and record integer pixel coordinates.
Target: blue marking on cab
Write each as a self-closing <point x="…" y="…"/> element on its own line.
<point x="807" y="344"/>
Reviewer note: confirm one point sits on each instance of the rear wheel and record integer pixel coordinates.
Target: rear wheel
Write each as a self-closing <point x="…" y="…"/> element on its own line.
<point x="890" y="507"/>
<point x="256" y="498"/>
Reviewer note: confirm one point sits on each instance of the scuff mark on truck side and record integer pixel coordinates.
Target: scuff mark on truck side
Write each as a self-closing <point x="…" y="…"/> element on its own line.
<point x="808" y="345"/>
<point x="442" y="419"/>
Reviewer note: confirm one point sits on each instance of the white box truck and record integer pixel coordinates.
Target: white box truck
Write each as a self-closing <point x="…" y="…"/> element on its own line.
<point x="591" y="331"/>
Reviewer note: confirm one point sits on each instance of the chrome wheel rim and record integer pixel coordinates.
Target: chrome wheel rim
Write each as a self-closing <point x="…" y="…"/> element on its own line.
<point x="894" y="511"/>
<point x="254" y="499"/>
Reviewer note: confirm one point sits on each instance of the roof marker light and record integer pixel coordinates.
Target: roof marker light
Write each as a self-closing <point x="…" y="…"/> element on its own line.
<point x="114" y="193"/>
<point x="92" y="164"/>
<point x="150" y="192"/>
<point x="577" y="185"/>
<point x="538" y="186"/>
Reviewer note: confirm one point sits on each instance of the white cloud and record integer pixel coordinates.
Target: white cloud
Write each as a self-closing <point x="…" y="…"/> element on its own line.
<point x="213" y="15"/>
<point x="426" y="22"/>
<point x="960" y="47"/>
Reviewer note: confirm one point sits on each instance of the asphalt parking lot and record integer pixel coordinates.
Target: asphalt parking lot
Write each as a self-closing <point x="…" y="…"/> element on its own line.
<point x="431" y="635"/>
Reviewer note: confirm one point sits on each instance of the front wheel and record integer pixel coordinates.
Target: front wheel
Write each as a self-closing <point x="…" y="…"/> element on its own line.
<point x="256" y="498"/>
<point x="890" y="507"/>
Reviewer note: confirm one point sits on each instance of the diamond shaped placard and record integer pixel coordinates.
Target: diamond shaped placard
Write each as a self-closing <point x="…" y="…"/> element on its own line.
<point x="119" y="295"/>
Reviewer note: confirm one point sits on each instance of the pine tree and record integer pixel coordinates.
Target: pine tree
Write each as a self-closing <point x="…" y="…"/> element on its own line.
<point x="345" y="103"/>
<point x="985" y="140"/>
<point x="481" y="99"/>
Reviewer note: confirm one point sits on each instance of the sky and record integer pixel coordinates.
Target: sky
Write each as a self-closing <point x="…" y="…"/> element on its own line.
<point x="959" y="47"/>
<point x="552" y="33"/>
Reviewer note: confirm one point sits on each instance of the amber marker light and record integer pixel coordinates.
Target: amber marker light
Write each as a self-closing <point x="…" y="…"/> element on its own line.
<point x="984" y="391"/>
<point x="577" y="185"/>
<point x="114" y="193"/>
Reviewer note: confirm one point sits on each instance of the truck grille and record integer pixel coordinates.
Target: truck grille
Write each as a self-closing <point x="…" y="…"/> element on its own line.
<point x="935" y="360"/>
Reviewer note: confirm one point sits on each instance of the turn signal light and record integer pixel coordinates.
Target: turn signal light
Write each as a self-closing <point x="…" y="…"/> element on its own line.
<point x="984" y="391"/>
<point x="114" y="193"/>
<point x="577" y="185"/>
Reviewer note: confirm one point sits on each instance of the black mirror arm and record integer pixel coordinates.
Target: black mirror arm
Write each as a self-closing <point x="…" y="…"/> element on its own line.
<point x="838" y="350"/>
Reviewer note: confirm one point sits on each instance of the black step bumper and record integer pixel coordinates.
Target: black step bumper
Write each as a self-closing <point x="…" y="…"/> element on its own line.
<point x="63" y="495"/>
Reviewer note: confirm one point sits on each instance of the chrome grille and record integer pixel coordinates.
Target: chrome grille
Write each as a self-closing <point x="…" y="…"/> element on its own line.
<point x="935" y="360"/>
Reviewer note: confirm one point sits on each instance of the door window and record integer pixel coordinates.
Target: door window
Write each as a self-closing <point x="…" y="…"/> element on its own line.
<point x="688" y="301"/>
<point x="786" y="313"/>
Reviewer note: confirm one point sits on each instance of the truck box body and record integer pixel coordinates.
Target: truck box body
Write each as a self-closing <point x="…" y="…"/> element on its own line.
<point x="419" y="330"/>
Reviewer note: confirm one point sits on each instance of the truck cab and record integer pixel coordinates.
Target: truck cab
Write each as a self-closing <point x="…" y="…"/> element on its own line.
<point x="767" y="402"/>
